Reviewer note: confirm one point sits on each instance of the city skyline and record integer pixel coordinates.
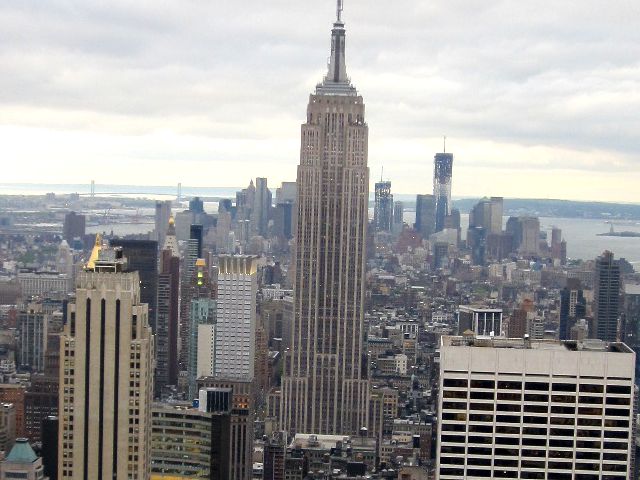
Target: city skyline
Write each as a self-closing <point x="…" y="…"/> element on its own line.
<point x="549" y="95"/>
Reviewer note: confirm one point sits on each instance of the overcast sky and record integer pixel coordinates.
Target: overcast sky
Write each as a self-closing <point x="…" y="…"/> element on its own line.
<point x="537" y="98"/>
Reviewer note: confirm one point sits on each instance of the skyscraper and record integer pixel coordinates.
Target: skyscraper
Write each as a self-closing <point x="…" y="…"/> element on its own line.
<point x="167" y="313"/>
<point x="142" y="256"/>
<point x="608" y="284"/>
<point x="236" y="322"/>
<point x="425" y="215"/>
<point x="106" y="368"/>
<point x="33" y="337"/>
<point x="383" y="209"/>
<point x="74" y="226"/>
<point x="163" y="212"/>
<point x="572" y="307"/>
<point x="201" y="313"/>
<point x="261" y="208"/>
<point x="442" y="173"/>
<point x="193" y="252"/>
<point x="325" y="387"/>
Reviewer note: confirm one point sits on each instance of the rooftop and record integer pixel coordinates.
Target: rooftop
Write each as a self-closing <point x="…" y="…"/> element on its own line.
<point x="590" y="345"/>
<point x="21" y="452"/>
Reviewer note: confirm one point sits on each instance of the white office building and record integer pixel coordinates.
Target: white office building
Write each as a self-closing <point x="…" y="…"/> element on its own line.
<point x="236" y="323"/>
<point x="521" y="409"/>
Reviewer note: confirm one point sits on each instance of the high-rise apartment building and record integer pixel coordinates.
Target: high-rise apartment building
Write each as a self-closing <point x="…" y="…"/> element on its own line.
<point x="167" y="314"/>
<point x="425" y="215"/>
<point x="325" y="388"/>
<point x="517" y="408"/>
<point x="106" y="375"/>
<point x="33" y="337"/>
<point x="442" y="174"/>
<point x="608" y="284"/>
<point x="236" y="320"/>
<point x="383" y="208"/>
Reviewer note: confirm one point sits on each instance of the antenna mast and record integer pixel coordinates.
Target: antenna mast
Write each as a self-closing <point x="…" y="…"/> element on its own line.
<point x="445" y="144"/>
<point x="339" y="11"/>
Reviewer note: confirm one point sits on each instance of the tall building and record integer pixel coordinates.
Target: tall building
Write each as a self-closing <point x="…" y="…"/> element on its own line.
<point x="383" y="208"/>
<point x="442" y="173"/>
<point x="231" y="459"/>
<point x="325" y="387"/>
<point x="286" y="192"/>
<point x="106" y="367"/>
<point x="202" y="313"/>
<point x="608" y="284"/>
<point x="236" y="321"/>
<point x="33" y="337"/>
<point x="192" y="253"/>
<point x="167" y="314"/>
<point x="425" y="215"/>
<point x="142" y="256"/>
<point x="572" y="307"/>
<point x="74" y="226"/>
<point x="497" y="209"/>
<point x="196" y="205"/>
<point x="631" y="312"/>
<point x="162" y="214"/>
<point x="261" y="210"/>
<point x="398" y="217"/>
<point x="517" y="408"/>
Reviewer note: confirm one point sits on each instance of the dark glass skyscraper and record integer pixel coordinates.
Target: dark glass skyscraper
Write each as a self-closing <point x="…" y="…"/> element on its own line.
<point x="425" y="215"/>
<point x="607" y="297"/>
<point x="383" y="209"/>
<point x="442" y="173"/>
<point x="142" y="256"/>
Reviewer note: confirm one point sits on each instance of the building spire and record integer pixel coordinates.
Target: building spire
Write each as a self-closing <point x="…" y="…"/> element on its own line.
<point x="336" y="82"/>
<point x="337" y="65"/>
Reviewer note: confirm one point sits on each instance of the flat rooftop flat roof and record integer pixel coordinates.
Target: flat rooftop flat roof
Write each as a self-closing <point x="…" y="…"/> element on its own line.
<point x="590" y="345"/>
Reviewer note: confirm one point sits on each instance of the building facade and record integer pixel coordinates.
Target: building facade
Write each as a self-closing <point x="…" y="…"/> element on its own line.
<point x="236" y="322"/>
<point x="383" y="209"/>
<point x="608" y="287"/>
<point x="515" y="408"/>
<point x="106" y="372"/>
<point x="325" y="389"/>
<point x="442" y="175"/>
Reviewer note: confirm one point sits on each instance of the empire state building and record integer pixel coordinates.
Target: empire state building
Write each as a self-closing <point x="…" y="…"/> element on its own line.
<point x="325" y="387"/>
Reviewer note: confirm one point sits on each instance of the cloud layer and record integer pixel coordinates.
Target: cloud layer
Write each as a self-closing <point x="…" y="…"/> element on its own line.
<point x="537" y="98"/>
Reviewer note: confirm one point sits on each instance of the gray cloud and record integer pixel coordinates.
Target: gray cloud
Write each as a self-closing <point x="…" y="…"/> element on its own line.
<point x="528" y="74"/>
